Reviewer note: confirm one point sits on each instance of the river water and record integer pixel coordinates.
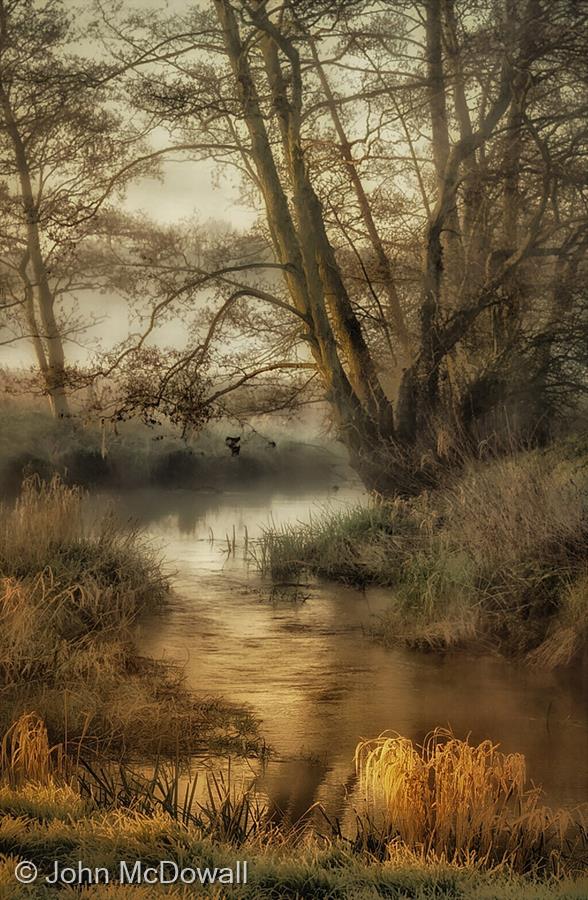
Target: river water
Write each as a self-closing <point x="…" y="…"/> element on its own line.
<point x="312" y="676"/>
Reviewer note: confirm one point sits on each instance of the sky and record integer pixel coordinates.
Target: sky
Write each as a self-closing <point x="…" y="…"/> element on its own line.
<point x="188" y="191"/>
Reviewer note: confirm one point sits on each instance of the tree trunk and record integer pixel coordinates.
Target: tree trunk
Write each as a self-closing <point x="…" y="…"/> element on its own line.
<point x="53" y="369"/>
<point x="318" y="255"/>
<point x="448" y="236"/>
<point x="384" y="267"/>
<point x="472" y="217"/>
<point x="296" y="248"/>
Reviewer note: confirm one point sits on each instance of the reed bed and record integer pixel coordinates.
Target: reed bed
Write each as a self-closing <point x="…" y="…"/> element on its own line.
<point x="330" y="543"/>
<point x="225" y="809"/>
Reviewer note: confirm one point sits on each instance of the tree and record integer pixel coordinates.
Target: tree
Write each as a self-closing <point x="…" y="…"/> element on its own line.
<point x="238" y="335"/>
<point x="471" y="117"/>
<point x="64" y="149"/>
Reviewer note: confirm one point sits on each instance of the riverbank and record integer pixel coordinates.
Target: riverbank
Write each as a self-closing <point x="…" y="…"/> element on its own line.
<point x="496" y="558"/>
<point x="71" y="593"/>
<point x="137" y="455"/>
<point x="48" y="823"/>
<point x="457" y="820"/>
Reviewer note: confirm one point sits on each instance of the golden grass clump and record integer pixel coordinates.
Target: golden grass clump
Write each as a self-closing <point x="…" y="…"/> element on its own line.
<point x="452" y="800"/>
<point x="26" y="755"/>
<point x="45" y="515"/>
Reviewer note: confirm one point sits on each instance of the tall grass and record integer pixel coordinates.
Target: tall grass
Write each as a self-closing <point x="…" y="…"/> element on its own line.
<point x="226" y="810"/>
<point x="71" y="591"/>
<point x="47" y="529"/>
<point x="447" y="849"/>
<point x="496" y="556"/>
<point x="456" y="801"/>
<point x="26" y="755"/>
<point x="337" y="543"/>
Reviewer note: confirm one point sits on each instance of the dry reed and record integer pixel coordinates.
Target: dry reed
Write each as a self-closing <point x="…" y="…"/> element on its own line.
<point x="26" y="755"/>
<point x="449" y="799"/>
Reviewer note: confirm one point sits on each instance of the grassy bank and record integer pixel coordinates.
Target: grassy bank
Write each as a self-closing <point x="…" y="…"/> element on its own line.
<point x="70" y="596"/>
<point x="450" y="849"/>
<point x="87" y="727"/>
<point x="38" y="827"/>
<point x="497" y="557"/>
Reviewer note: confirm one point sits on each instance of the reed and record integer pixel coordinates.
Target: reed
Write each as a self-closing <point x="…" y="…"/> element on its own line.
<point x="459" y="823"/>
<point x="332" y="542"/>
<point x="224" y="809"/>
<point x="26" y="755"/>
<point x="452" y="800"/>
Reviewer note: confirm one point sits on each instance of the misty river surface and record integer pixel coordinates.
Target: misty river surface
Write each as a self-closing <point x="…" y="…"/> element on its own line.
<point x="314" y="678"/>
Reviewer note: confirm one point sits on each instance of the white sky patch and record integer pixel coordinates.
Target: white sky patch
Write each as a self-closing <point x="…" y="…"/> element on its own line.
<point x="189" y="190"/>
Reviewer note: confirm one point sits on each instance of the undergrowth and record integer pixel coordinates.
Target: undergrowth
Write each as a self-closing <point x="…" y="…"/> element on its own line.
<point x="496" y="557"/>
<point x="71" y="592"/>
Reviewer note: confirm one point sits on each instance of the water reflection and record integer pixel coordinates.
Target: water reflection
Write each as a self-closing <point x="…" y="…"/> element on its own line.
<point x="317" y="683"/>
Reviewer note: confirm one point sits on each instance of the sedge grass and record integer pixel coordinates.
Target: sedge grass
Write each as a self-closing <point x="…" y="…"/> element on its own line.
<point x="452" y="800"/>
<point x="496" y="557"/>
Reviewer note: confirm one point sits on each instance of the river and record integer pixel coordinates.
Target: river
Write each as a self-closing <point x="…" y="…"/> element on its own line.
<point x="306" y="668"/>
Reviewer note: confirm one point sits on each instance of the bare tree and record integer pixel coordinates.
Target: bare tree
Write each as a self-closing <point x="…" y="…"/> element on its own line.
<point x="64" y="150"/>
<point x="467" y="124"/>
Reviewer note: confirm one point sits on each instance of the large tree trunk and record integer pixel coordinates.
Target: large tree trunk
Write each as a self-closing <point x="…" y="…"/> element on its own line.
<point x="318" y="256"/>
<point x="384" y="267"/>
<point x="363" y="416"/>
<point x="387" y="450"/>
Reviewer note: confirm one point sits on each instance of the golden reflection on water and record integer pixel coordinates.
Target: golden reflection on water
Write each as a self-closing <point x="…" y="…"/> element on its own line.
<point x="317" y="682"/>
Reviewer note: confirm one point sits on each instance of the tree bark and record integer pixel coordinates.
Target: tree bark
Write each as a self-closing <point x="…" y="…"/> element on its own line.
<point x="472" y="217"/>
<point x="384" y="267"/>
<point x="53" y="368"/>
<point x="448" y="236"/>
